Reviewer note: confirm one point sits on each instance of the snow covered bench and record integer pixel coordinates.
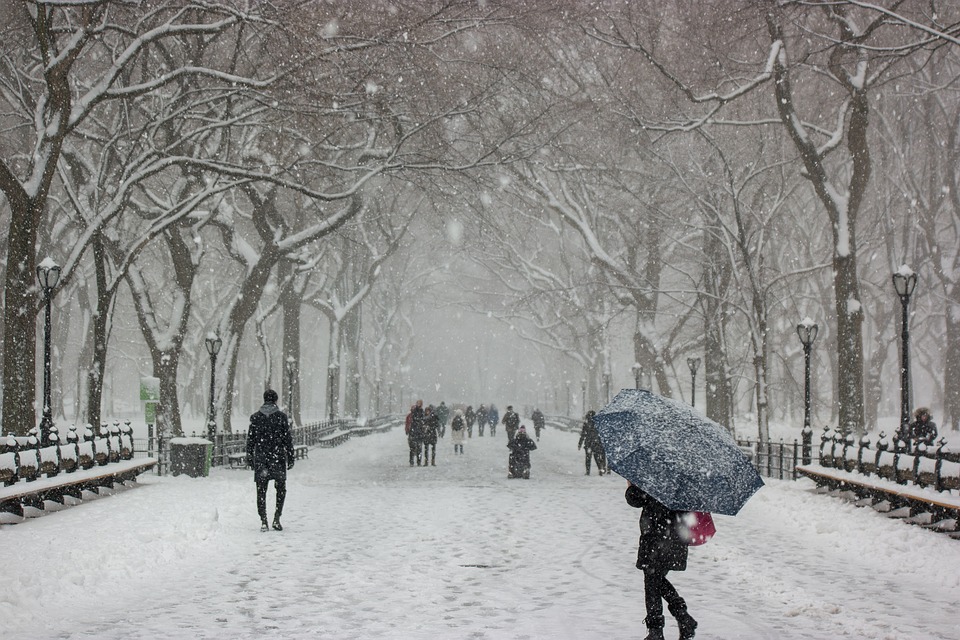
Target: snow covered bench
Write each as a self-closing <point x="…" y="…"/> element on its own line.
<point x="33" y="474"/>
<point x="239" y="460"/>
<point x="923" y="487"/>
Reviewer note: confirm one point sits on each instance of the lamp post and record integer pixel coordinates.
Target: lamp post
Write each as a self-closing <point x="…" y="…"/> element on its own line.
<point x="904" y="281"/>
<point x="213" y="343"/>
<point x="606" y="386"/>
<point x="291" y="365"/>
<point x="636" y="369"/>
<point x="694" y="364"/>
<point x="583" y="389"/>
<point x="568" y="398"/>
<point x="807" y="331"/>
<point x="48" y="273"/>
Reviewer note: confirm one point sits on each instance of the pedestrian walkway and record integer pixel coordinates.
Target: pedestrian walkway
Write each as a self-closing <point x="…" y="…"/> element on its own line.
<point x="374" y="549"/>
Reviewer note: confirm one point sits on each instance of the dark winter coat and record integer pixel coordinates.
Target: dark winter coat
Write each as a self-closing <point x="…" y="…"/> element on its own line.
<point x="270" y="443"/>
<point x="470" y="416"/>
<point x="923" y="431"/>
<point x="482" y="415"/>
<point x="512" y="422"/>
<point x="589" y="437"/>
<point x="520" y="448"/>
<point x="416" y="425"/>
<point x="661" y="548"/>
<point x="431" y="429"/>
<point x="538" y="419"/>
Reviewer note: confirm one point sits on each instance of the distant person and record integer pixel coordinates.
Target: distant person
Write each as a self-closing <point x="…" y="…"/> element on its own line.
<point x="458" y="431"/>
<point x="493" y="418"/>
<point x="483" y="416"/>
<point x="538" y="422"/>
<point x="415" y="435"/>
<point x="511" y="422"/>
<point x="470" y="417"/>
<point x="591" y="444"/>
<point x="661" y="550"/>
<point x="431" y="429"/>
<point x="443" y="414"/>
<point x="518" y="465"/>
<point x="270" y="454"/>
<point x="923" y="430"/>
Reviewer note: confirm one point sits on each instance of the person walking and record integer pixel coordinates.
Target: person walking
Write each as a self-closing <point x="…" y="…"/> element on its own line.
<point x="443" y="414"/>
<point x="431" y="429"/>
<point x="458" y="431"/>
<point x="483" y="415"/>
<point x="661" y="550"/>
<point x="511" y="421"/>
<point x="270" y="454"/>
<point x="469" y="417"/>
<point x="493" y="418"/>
<point x="538" y="422"/>
<point x="591" y="444"/>
<point x="518" y="465"/>
<point x="415" y="435"/>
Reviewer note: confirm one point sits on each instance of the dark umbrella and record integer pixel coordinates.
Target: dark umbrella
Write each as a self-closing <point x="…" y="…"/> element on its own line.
<point x="684" y="460"/>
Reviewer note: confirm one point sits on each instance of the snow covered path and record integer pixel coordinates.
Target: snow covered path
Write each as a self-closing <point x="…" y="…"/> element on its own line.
<point x="374" y="549"/>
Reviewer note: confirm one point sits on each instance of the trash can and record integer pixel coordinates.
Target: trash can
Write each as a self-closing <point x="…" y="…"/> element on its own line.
<point x="190" y="456"/>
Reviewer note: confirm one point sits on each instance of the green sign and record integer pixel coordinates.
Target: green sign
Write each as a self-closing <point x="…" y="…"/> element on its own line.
<point x="150" y="389"/>
<point x="150" y="411"/>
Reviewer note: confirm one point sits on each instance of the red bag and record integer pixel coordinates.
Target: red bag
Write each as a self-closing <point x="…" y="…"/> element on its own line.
<point x="696" y="528"/>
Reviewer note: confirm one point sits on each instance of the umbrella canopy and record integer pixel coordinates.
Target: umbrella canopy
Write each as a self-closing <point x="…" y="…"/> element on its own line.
<point x="682" y="459"/>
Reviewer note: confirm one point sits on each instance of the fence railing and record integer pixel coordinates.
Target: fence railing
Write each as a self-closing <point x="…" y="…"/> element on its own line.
<point x="226" y="444"/>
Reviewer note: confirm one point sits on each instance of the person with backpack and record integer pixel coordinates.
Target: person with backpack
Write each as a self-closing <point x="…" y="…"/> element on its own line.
<point x="270" y="454"/>
<point x="458" y="430"/>
<point x="662" y="549"/>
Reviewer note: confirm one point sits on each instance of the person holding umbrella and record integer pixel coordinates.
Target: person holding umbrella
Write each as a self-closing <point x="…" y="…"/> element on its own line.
<point x="679" y="464"/>
<point x="661" y="550"/>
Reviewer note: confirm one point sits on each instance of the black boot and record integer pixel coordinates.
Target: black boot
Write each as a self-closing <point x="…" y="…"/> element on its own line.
<point x="688" y="626"/>
<point x="654" y="627"/>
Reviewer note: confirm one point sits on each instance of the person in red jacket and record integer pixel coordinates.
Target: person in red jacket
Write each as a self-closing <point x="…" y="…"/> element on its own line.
<point x="270" y="454"/>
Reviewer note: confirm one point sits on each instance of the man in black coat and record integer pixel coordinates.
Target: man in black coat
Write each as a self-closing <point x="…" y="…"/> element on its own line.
<point x="512" y="422"/>
<point x="270" y="453"/>
<point x="661" y="550"/>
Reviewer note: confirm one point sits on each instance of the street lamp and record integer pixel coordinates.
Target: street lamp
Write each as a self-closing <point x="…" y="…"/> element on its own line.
<point x="583" y="388"/>
<point x="48" y="273"/>
<point x="214" y="343"/>
<point x="636" y="369"/>
<point x="569" y="395"/>
<point x="606" y="386"/>
<point x="807" y="330"/>
<point x="694" y="364"/>
<point x="904" y="281"/>
<point x="291" y="364"/>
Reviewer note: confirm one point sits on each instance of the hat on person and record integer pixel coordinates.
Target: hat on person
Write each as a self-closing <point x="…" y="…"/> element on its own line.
<point x="523" y="429"/>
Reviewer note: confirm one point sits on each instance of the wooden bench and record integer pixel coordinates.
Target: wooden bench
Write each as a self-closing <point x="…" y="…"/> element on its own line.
<point x="33" y="474"/>
<point x="920" y="487"/>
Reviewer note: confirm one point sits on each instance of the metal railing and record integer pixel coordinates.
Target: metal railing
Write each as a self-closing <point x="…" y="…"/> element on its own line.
<point x="311" y="434"/>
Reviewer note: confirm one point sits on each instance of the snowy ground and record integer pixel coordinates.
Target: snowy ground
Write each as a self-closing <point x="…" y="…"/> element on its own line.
<point x="375" y="549"/>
